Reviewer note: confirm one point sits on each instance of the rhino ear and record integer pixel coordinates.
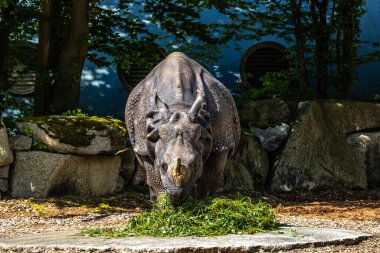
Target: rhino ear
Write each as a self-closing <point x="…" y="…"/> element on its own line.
<point x="153" y="135"/>
<point x="160" y="108"/>
<point x="159" y="104"/>
<point x="195" y="109"/>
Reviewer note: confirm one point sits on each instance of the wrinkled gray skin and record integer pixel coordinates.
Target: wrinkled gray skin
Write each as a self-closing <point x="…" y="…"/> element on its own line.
<point x="183" y="125"/>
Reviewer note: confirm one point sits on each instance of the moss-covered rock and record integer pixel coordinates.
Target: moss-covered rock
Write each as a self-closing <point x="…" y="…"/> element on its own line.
<point x="74" y="134"/>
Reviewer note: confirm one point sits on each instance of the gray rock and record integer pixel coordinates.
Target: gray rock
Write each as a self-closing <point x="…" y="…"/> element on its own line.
<point x="265" y="113"/>
<point x="367" y="145"/>
<point x="20" y="143"/>
<point x="315" y="156"/>
<point x="6" y="154"/>
<point x="346" y="117"/>
<point x="272" y="137"/>
<point x="119" y="184"/>
<point x="139" y="177"/>
<point x="105" y="141"/>
<point x="42" y="174"/>
<point x="236" y="177"/>
<point x="248" y="168"/>
<point x="4" y="171"/>
<point x="3" y="185"/>
<point x="285" y="239"/>
<point x="128" y="166"/>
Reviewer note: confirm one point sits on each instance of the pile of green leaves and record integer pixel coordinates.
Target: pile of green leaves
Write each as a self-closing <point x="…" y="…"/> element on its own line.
<point x="210" y="217"/>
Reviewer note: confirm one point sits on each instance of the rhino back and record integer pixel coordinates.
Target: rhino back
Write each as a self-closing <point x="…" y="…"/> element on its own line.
<point x="176" y="81"/>
<point x="135" y="118"/>
<point x="224" y="117"/>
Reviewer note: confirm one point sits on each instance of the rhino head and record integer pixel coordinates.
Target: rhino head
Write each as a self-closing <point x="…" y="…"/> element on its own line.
<point x="178" y="141"/>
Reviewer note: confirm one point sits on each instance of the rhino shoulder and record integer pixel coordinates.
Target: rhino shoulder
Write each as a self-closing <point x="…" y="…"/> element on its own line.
<point x="224" y="116"/>
<point x="135" y="119"/>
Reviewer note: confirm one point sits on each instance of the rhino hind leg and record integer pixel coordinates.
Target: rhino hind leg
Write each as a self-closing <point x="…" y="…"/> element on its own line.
<point x="213" y="170"/>
<point x="153" y="180"/>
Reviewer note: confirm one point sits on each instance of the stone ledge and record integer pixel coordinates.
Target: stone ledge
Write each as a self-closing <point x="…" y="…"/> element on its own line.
<point x="285" y="239"/>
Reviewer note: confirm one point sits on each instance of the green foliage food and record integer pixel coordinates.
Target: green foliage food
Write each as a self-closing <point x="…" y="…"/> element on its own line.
<point x="210" y="217"/>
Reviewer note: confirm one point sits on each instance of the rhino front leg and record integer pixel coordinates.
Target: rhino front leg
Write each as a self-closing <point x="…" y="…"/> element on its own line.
<point x="213" y="170"/>
<point x="153" y="180"/>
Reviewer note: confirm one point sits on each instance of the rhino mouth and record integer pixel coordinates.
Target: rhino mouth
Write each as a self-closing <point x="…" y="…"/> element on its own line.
<point x="177" y="194"/>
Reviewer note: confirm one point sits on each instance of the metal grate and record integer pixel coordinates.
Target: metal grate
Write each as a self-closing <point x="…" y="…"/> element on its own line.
<point x="23" y="80"/>
<point x="23" y="77"/>
<point x="137" y="73"/>
<point x="260" y="59"/>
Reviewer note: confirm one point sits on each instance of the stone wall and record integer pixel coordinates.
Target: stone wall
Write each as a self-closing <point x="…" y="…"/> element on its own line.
<point x="6" y="158"/>
<point x="315" y="145"/>
<point x="331" y="145"/>
<point x="46" y="165"/>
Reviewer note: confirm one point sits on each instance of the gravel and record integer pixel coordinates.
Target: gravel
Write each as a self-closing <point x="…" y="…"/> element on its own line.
<point x="24" y="225"/>
<point x="18" y="217"/>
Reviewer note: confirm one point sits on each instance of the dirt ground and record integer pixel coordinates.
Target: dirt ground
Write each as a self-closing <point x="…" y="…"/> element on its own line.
<point x="354" y="206"/>
<point x="344" y="206"/>
<point x="20" y="216"/>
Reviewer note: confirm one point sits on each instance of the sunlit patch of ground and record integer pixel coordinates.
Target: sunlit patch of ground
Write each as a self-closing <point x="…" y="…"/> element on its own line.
<point x="362" y="210"/>
<point x="70" y="206"/>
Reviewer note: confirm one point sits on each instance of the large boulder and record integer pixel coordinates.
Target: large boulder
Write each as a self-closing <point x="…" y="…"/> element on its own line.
<point x="43" y="174"/>
<point x="6" y="154"/>
<point x="346" y="117"/>
<point x="367" y="146"/>
<point x="248" y="168"/>
<point x="264" y="113"/>
<point x="20" y="143"/>
<point x="4" y="172"/>
<point x="316" y="156"/>
<point x="74" y="134"/>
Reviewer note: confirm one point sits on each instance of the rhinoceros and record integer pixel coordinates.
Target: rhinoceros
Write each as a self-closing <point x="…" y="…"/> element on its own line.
<point x="183" y="125"/>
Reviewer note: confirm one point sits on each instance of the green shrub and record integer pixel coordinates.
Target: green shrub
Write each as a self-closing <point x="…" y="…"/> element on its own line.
<point x="75" y="112"/>
<point x="13" y="107"/>
<point x="278" y="84"/>
<point x="210" y="217"/>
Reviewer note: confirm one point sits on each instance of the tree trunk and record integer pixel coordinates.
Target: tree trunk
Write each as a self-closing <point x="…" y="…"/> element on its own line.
<point x="42" y="87"/>
<point x="300" y="43"/>
<point x="322" y="36"/>
<point x="349" y="30"/>
<point x="67" y="87"/>
<point x="4" y="46"/>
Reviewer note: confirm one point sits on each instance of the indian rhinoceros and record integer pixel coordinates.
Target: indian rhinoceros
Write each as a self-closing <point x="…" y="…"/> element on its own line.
<point x="183" y="126"/>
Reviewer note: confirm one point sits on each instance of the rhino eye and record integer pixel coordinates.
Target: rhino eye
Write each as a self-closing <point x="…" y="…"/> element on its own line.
<point x="164" y="167"/>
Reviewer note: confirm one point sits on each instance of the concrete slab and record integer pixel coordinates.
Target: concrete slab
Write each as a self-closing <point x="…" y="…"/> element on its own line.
<point x="284" y="239"/>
